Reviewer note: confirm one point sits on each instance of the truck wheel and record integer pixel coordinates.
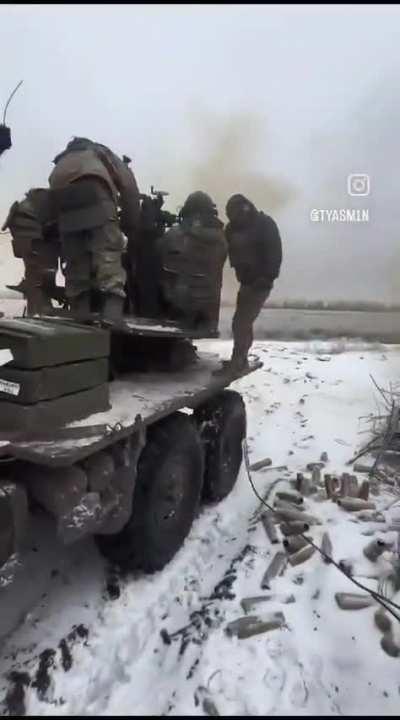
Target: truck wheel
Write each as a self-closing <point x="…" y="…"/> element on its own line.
<point x="166" y="497"/>
<point x="222" y="424"/>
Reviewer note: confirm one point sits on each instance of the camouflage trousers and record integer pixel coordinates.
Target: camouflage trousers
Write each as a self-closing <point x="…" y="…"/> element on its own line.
<point x="94" y="261"/>
<point x="41" y="264"/>
<point x="250" y="301"/>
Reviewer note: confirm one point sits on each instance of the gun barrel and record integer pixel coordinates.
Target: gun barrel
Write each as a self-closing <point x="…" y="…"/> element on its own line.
<point x="162" y="193"/>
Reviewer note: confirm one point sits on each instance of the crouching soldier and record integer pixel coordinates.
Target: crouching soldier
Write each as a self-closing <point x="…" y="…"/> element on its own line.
<point x="255" y="253"/>
<point x="192" y="257"/>
<point x="89" y="184"/>
<point x="35" y="241"/>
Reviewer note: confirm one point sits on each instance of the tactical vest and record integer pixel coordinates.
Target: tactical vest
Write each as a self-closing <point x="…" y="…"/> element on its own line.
<point x="192" y="259"/>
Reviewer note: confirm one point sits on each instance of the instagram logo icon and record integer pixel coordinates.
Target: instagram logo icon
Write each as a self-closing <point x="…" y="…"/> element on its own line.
<point x="358" y="184"/>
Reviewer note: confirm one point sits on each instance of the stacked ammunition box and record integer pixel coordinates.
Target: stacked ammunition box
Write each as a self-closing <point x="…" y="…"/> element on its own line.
<point x="59" y="373"/>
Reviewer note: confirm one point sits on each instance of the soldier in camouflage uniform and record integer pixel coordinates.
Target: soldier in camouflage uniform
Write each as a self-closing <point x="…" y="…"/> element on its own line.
<point x="255" y="253"/>
<point x="89" y="183"/>
<point x="192" y="256"/>
<point x="35" y="241"/>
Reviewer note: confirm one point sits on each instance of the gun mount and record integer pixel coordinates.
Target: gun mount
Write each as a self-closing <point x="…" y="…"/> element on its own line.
<point x="143" y="289"/>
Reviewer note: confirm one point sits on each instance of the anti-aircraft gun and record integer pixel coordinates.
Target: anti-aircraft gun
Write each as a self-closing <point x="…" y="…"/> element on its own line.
<point x="143" y="291"/>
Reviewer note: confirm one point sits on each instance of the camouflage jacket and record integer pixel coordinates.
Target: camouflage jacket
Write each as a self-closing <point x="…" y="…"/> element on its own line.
<point x="92" y="160"/>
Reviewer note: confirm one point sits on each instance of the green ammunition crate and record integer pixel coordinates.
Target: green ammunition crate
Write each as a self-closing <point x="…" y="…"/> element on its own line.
<point x="50" y="414"/>
<point x="38" y="343"/>
<point x="32" y="386"/>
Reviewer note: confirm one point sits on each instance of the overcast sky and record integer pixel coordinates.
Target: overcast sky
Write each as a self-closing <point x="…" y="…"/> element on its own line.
<point x="279" y="102"/>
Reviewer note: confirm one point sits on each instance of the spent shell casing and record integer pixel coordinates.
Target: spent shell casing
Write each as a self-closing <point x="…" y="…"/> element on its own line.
<point x="291" y="497"/>
<point x="363" y="492"/>
<point x="326" y="547"/>
<point x="299" y="480"/>
<point x="345" y="485"/>
<point x="361" y="468"/>
<point x="276" y="567"/>
<point x="288" y="515"/>
<point x="266" y="462"/>
<point x="375" y="548"/>
<point x="249" y="603"/>
<point x="294" y="528"/>
<point x="250" y="625"/>
<point x="353" y="601"/>
<point x="382" y="621"/>
<point x="353" y="486"/>
<point x="267" y="520"/>
<point x="354" y="504"/>
<point x="316" y="475"/>
<point x="389" y="645"/>
<point x="329" y="486"/>
<point x="311" y="466"/>
<point x="286" y="505"/>
<point x="295" y="543"/>
<point x="301" y="555"/>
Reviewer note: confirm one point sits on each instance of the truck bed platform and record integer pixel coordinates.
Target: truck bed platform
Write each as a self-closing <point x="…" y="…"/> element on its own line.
<point x="136" y="400"/>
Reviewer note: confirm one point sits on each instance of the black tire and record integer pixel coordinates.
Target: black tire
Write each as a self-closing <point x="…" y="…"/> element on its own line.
<point x="166" y="497"/>
<point x="222" y="424"/>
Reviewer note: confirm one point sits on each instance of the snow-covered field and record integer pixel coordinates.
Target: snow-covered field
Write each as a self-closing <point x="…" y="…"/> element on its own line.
<point x="79" y="640"/>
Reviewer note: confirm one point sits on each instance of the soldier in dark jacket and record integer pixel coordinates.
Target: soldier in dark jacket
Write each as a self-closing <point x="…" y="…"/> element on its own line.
<point x="89" y="184"/>
<point x="255" y="253"/>
<point x="5" y="138"/>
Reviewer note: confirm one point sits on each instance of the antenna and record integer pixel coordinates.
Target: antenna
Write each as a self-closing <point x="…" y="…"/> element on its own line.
<point x="9" y="100"/>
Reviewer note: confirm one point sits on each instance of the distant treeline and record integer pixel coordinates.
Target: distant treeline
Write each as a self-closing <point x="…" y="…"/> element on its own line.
<point x="366" y="306"/>
<point x="334" y="305"/>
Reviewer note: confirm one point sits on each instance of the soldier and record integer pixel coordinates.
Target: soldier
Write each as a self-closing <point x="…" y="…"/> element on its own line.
<point x="89" y="184"/>
<point x="255" y="253"/>
<point x="5" y="138"/>
<point x="35" y="241"/>
<point x="192" y="257"/>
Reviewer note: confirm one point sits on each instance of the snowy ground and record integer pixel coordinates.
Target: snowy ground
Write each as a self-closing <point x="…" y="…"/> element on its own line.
<point x="78" y="640"/>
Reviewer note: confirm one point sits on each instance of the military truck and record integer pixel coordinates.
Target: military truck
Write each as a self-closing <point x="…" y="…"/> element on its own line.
<point x="128" y="460"/>
<point x="118" y="429"/>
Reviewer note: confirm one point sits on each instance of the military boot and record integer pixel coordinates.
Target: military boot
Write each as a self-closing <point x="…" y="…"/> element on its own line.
<point x="235" y="365"/>
<point x="113" y="307"/>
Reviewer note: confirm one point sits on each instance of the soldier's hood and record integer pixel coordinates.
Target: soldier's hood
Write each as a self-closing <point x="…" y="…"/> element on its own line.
<point x="239" y="199"/>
